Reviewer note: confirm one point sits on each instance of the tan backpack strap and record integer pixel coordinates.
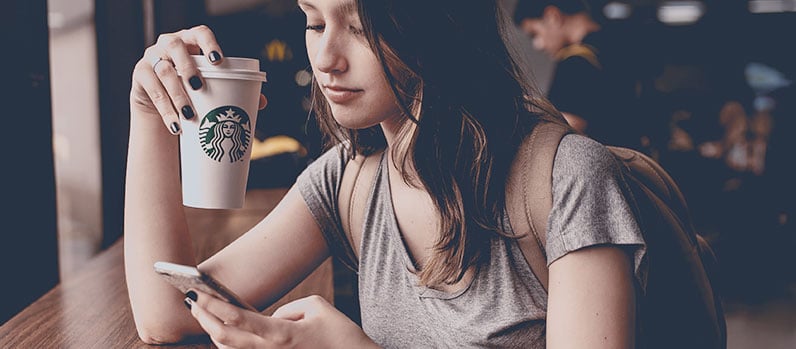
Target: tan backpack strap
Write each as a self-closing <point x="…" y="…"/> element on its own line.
<point x="529" y="193"/>
<point x="357" y="179"/>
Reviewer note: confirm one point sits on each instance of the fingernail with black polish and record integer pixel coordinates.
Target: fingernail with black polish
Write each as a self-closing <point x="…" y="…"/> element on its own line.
<point x="187" y="303"/>
<point x="191" y="295"/>
<point x="214" y="56"/>
<point x="195" y="82"/>
<point x="174" y="127"/>
<point x="187" y="112"/>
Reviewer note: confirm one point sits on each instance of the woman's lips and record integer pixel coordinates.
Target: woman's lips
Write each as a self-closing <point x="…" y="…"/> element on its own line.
<point x="340" y="94"/>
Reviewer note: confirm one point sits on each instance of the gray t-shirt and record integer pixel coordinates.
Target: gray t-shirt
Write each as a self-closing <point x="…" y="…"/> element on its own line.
<point x="504" y="305"/>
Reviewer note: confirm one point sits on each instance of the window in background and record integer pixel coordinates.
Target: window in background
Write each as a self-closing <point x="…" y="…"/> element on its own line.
<point x="76" y="144"/>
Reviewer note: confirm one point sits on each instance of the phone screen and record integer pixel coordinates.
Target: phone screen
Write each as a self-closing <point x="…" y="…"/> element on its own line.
<point x="185" y="277"/>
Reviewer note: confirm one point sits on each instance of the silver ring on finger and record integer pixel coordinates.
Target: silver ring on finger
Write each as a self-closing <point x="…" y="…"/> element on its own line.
<point x="158" y="60"/>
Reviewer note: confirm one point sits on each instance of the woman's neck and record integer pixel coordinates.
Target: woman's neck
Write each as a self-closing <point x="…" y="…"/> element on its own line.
<point x="397" y="146"/>
<point x="391" y="127"/>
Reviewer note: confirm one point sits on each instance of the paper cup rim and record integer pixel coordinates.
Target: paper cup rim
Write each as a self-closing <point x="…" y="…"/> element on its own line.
<point x="235" y="74"/>
<point x="244" y="63"/>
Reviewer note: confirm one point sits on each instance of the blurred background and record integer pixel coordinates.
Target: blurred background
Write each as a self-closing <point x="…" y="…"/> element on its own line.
<point x="718" y="116"/>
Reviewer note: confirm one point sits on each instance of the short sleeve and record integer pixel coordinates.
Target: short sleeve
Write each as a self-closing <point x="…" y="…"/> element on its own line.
<point x="319" y="185"/>
<point x="592" y="204"/>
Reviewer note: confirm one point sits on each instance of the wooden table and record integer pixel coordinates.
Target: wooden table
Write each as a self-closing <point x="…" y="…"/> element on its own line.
<point x="92" y="309"/>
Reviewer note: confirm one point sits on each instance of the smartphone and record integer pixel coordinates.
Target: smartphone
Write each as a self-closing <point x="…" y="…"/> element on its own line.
<point x="186" y="277"/>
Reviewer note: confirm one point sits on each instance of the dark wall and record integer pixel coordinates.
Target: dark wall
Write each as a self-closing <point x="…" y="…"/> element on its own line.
<point x="28" y="248"/>
<point x="120" y="43"/>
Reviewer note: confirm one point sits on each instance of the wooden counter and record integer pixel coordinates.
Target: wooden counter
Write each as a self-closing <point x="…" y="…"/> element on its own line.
<point x="92" y="309"/>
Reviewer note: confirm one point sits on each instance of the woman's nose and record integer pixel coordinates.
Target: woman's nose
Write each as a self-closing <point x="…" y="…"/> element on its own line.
<point x="330" y="56"/>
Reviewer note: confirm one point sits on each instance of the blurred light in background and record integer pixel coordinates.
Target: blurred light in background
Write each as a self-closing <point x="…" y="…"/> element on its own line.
<point x="764" y="79"/>
<point x="617" y="10"/>
<point x="772" y="6"/>
<point x="680" y="12"/>
<point x="303" y="78"/>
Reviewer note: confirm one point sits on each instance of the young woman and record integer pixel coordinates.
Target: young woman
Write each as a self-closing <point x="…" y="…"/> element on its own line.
<point x="433" y="86"/>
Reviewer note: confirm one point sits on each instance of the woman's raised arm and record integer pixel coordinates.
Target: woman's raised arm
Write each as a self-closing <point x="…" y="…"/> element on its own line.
<point x="265" y="263"/>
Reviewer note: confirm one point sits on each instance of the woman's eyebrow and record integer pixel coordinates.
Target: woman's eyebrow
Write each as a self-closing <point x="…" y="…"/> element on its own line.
<point x="348" y="7"/>
<point x="345" y="8"/>
<point x="305" y="4"/>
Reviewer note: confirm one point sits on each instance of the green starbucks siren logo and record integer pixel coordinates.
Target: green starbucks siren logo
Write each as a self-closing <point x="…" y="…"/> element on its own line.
<point x="225" y="133"/>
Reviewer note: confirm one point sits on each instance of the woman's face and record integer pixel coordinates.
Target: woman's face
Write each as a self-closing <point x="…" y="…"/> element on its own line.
<point x="348" y="73"/>
<point x="228" y="128"/>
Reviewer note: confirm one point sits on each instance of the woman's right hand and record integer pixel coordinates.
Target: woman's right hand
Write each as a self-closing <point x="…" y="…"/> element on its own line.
<point x="160" y="76"/>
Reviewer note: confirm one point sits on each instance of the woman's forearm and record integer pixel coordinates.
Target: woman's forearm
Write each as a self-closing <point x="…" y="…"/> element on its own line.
<point x="155" y="229"/>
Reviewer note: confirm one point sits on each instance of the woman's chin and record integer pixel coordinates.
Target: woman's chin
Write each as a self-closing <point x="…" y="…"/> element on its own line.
<point x="354" y="123"/>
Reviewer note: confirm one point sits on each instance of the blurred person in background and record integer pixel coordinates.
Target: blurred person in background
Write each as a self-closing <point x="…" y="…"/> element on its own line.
<point x="600" y="71"/>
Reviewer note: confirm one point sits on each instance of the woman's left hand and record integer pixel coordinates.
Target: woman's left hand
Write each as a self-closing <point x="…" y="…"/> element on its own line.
<point x="309" y="322"/>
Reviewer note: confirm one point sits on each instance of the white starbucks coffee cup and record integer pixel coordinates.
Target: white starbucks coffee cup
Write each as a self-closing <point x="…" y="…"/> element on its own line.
<point x="216" y="145"/>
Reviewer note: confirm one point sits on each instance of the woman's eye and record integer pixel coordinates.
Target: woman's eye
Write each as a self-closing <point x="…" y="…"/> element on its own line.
<point x="316" y="27"/>
<point x="355" y="30"/>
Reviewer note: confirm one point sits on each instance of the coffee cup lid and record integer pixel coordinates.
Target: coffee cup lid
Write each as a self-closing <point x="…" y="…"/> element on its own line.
<point x="230" y="68"/>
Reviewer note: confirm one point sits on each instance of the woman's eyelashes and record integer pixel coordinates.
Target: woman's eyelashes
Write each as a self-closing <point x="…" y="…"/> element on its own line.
<point x="321" y="27"/>
<point x="316" y="27"/>
<point x="356" y="30"/>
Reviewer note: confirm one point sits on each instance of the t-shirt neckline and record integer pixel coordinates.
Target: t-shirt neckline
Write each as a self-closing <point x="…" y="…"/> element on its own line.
<point x="397" y="240"/>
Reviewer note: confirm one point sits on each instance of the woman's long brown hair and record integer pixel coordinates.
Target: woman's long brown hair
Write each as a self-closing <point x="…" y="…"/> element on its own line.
<point x="469" y="105"/>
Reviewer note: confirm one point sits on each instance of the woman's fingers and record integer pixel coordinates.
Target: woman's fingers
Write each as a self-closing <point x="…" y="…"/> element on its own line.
<point x="202" y="37"/>
<point x="174" y="87"/>
<point x="301" y="308"/>
<point x="181" y="45"/>
<point x="267" y="330"/>
<point x="149" y="81"/>
<point x="177" y="50"/>
<point x="227" y="313"/>
<point x="291" y="311"/>
<point x="263" y="102"/>
<point x="167" y="67"/>
<point x="222" y="335"/>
